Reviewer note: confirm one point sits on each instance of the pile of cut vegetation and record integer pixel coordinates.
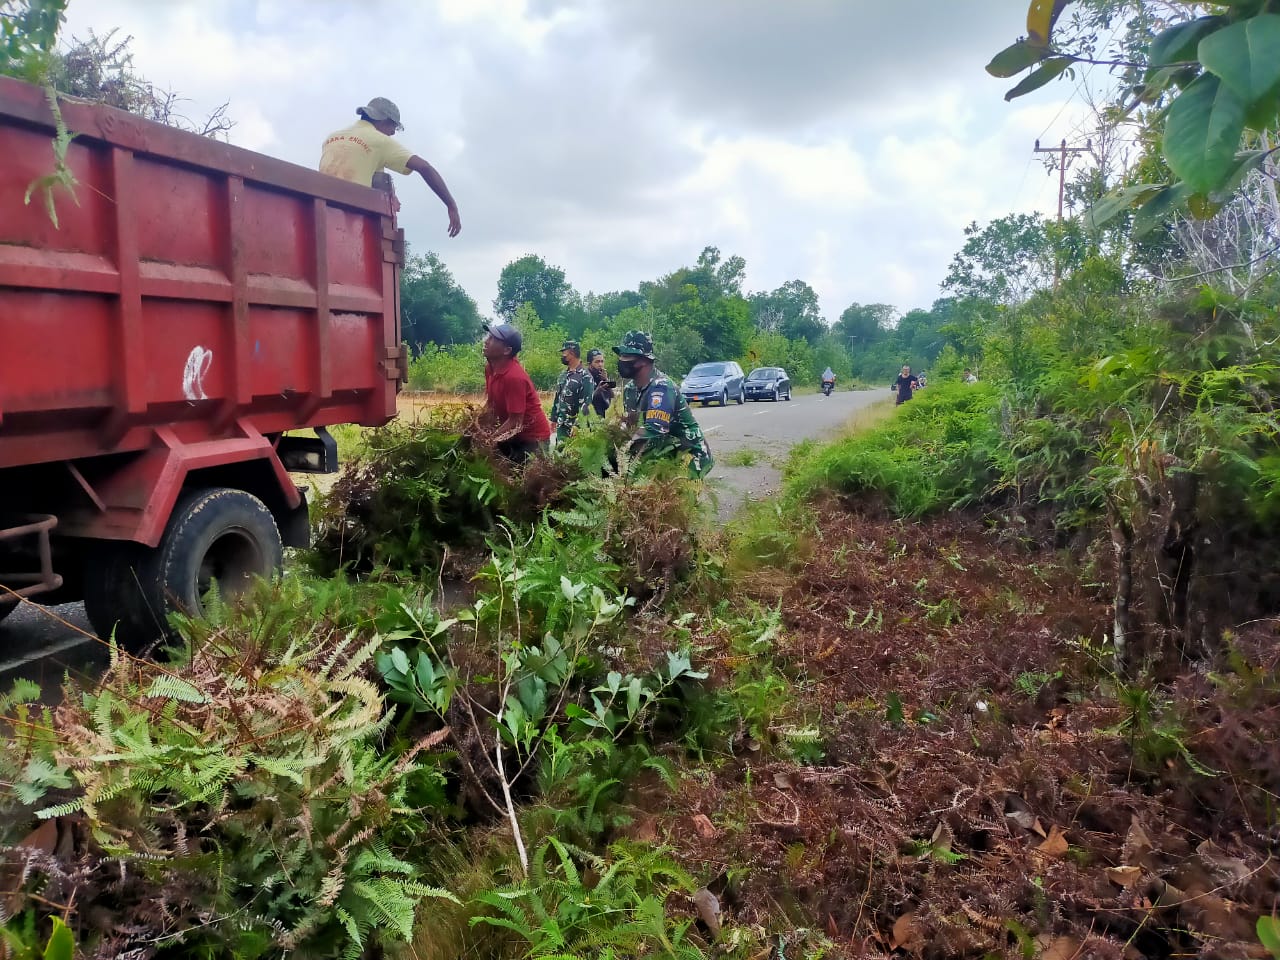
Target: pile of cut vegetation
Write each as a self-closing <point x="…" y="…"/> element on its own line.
<point x="426" y="500"/>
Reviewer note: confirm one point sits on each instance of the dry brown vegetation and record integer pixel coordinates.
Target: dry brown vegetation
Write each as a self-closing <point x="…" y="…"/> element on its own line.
<point x="988" y="788"/>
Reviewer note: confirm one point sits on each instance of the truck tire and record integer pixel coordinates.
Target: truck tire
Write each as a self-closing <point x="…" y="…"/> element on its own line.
<point x="217" y="535"/>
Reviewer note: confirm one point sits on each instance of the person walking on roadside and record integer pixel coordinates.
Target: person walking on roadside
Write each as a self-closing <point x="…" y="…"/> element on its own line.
<point x="655" y="409"/>
<point x="368" y="146"/>
<point x="602" y="395"/>
<point x="573" y="391"/>
<point x="906" y="384"/>
<point x="512" y="420"/>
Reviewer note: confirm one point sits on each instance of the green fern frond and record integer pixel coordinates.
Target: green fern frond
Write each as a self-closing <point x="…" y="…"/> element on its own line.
<point x="175" y="688"/>
<point x="292" y="768"/>
<point x="434" y="893"/>
<point x="360" y="658"/>
<point x="61" y="810"/>
<point x="665" y="770"/>
<point x="61" y="175"/>
<point x="389" y="901"/>
<point x="23" y="691"/>
<point x="335" y="654"/>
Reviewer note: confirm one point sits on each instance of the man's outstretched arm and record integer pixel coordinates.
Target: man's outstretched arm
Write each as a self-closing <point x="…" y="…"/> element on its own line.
<point x="437" y="185"/>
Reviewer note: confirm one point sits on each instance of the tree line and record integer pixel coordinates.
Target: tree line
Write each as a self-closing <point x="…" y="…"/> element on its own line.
<point x="696" y="313"/>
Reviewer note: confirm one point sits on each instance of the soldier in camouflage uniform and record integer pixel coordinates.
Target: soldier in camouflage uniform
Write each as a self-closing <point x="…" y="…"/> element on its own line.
<point x="603" y="395"/>
<point x="573" y="391"/>
<point x="663" y="423"/>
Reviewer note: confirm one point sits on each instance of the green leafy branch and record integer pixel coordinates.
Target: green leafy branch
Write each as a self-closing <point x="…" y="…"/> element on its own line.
<point x="1224" y="72"/>
<point x="61" y="175"/>
<point x="28" y="30"/>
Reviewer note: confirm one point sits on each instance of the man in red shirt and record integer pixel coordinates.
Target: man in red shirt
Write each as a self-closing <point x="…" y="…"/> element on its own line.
<point x="513" y="417"/>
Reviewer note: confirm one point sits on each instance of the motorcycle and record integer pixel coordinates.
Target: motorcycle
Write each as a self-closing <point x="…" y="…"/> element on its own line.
<point x="827" y="387"/>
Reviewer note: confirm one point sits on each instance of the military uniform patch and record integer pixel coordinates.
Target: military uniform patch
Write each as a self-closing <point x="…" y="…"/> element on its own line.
<point x="668" y="427"/>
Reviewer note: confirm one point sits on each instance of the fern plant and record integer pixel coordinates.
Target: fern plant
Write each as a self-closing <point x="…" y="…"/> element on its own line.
<point x="246" y="791"/>
<point x="575" y="904"/>
<point x="61" y="175"/>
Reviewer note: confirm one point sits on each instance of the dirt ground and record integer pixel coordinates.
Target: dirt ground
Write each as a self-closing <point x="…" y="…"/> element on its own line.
<point x="985" y="787"/>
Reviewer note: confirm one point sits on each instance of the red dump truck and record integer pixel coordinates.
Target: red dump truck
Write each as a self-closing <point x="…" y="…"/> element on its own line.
<point x="195" y="304"/>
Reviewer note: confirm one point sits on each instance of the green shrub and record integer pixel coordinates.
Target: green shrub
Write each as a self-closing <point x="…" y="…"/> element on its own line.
<point x="239" y="802"/>
<point x="579" y="905"/>
<point x="459" y="368"/>
<point x="940" y="449"/>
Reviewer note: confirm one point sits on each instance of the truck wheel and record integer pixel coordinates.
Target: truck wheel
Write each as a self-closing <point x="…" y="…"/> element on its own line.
<point x="216" y="535"/>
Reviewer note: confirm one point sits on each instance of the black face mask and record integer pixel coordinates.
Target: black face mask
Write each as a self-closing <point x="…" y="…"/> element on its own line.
<point x="627" y="368"/>
<point x="565" y="361"/>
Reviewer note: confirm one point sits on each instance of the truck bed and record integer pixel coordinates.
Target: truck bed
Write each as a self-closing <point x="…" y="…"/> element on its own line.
<point x="192" y="288"/>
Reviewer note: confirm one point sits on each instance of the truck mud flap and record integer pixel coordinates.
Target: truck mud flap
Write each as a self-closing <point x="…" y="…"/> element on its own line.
<point x="318" y="454"/>
<point x="295" y="525"/>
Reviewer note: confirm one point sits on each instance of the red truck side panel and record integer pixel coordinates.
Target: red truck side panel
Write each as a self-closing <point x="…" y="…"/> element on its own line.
<point x="193" y="293"/>
<point x="133" y="500"/>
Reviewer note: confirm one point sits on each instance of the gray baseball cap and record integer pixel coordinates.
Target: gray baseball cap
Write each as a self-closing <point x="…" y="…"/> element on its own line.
<point x="506" y="333"/>
<point x="380" y="108"/>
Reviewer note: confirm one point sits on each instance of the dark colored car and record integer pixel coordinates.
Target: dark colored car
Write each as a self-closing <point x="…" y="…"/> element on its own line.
<point x="768" y="383"/>
<point x="713" y="381"/>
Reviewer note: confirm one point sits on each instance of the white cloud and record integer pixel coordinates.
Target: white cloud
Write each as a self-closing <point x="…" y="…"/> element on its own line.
<point x="845" y="144"/>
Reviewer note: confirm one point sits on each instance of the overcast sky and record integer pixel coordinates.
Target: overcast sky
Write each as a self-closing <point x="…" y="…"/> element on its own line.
<point x="843" y="142"/>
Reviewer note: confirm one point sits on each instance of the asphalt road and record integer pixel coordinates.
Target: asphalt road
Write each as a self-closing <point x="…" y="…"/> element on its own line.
<point x="41" y="644"/>
<point x="764" y="432"/>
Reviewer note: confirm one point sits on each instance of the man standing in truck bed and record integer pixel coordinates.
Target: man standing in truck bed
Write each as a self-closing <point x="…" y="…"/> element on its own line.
<point x="359" y="151"/>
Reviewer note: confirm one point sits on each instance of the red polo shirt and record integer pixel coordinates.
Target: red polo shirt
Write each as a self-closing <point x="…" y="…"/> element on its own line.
<point x="510" y="392"/>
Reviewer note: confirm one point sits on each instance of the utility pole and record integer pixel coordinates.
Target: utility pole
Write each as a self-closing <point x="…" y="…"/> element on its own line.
<point x="1063" y="151"/>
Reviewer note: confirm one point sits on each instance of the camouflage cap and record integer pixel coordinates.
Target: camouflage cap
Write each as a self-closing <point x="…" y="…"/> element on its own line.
<point x="572" y="345"/>
<point x="636" y="343"/>
<point x="380" y="108"/>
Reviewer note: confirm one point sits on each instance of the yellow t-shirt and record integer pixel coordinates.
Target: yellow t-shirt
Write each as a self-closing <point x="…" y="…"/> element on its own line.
<point x="360" y="151"/>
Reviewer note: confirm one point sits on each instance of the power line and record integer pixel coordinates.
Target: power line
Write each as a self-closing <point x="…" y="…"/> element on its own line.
<point x="1063" y="150"/>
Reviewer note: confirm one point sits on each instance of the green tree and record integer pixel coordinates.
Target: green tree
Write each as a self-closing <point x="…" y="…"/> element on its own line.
<point x="791" y="310"/>
<point x="706" y="298"/>
<point x="678" y="349"/>
<point x="961" y="322"/>
<point x="530" y="279"/>
<point x="28" y="31"/>
<point x="1010" y="258"/>
<point x="608" y="305"/>
<point x="433" y="307"/>
<point x="1205" y="85"/>
<point x="865" y="323"/>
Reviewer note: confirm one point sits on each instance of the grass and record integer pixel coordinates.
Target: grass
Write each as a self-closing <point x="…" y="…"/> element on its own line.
<point x="868" y="417"/>
<point x="939" y="450"/>
<point x="746" y="457"/>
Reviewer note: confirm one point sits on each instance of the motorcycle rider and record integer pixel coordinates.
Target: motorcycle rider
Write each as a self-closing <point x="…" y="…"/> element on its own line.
<point x="828" y="381"/>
